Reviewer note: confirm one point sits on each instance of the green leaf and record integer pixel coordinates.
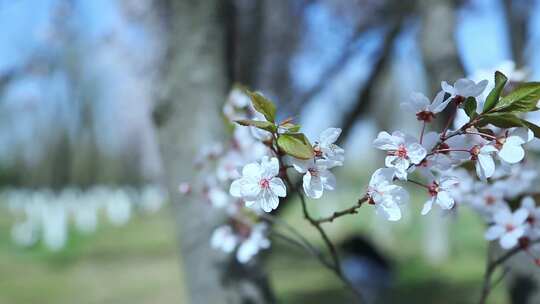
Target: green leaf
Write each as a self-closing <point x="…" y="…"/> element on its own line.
<point x="501" y="120"/>
<point x="495" y="94"/>
<point x="264" y="125"/>
<point x="470" y="107"/>
<point x="295" y="144"/>
<point x="263" y="106"/>
<point x="533" y="127"/>
<point x="523" y="99"/>
<point x="290" y="127"/>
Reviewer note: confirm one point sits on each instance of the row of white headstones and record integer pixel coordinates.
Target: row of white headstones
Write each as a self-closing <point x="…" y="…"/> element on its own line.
<point x="45" y="216"/>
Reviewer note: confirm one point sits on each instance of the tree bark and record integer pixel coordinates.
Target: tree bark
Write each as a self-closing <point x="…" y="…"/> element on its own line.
<point x="188" y="118"/>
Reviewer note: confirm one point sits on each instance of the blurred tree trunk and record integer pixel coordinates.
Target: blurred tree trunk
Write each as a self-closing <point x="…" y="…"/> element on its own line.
<point x="188" y="118"/>
<point x="438" y="43"/>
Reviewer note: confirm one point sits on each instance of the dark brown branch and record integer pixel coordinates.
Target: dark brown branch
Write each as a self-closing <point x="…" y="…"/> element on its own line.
<point x="350" y="210"/>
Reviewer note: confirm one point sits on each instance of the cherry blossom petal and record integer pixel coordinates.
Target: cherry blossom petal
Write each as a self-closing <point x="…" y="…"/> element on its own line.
<point x="329" y="180"/>
<point x="445" y="200"/>
<point x="520" y="216"/>
<point x="439" y="103"/>
<point x="329" y="136"/>
<point x="278" y="187"/>
<point x="511" y="153"/>
<point x="268" y="201"/>
<point x="486" y="164"/>
<point x="416" y="153"/>
<point x="391" y="211"/>
<point x="252" y="170"/>
<point x="427" y="207"/>
<point x="448" y="88"/>
<point x="313" y="186"/>
<point x="385" y="141"/>
<point x="494" y="232"/>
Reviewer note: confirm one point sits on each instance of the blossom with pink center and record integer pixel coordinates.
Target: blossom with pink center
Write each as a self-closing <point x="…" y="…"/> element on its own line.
<point x="386" y="196"/>
<point x="440" y="193"/>
<point x="425" y="110"/>
<point x="508" y="227"/>
<point x="402" y="151"/>
<point x="260" y="185"/>
<point x="464" y="88"/>
<point x="317" y="177"/>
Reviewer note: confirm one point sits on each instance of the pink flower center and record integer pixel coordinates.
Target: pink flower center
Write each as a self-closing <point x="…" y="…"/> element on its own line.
<point x="264" y="183"/>
<point x="317" y="150"/>
<point x="401" y="151"/>
<point x="433" y="189"/>
<point x="426" y="116"/>
<point x="509" y="227"/>
<point x="313" y="172"/>
<point x="458" y="100"/>
<point x="490" y="200"/>
<point x="475" y="150"/>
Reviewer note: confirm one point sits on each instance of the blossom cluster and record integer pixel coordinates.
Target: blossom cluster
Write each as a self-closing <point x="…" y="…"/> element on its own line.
<point x="480" y="162"/>
<point x="248" y="176"/>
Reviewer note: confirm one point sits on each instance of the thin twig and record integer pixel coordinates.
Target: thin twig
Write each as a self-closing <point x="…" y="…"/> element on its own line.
<point x="350" y="210"/>
<point x="491" y="266"/>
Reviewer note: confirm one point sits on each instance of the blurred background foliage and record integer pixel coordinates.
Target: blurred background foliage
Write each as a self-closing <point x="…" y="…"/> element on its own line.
<point x="85" y="86"/>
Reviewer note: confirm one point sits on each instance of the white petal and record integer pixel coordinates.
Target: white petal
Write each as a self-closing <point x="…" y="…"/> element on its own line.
<point x="390" y="212"/>
<point x="236" y="188"/>
<point x="398" y="194"/>
<point x="381" y="175"/>
<point x="444" y="200"/>
<point x="250" y="189"/>
<point x="302" y="165"/>
<point x="439" y="103"/>
<point x="511" y="154"/>
<point x="328" y="179"/>
<point x="385" y="141"/>
<point x="416" y="153"/>
<point x="448" y="88"/>
<point x="486" y="164"/>
<point x="252" y="170"/>
<point x="528" y="203"/>
<point x="313" y="186"/>
<point x="270" y="168"/>
<point x="508" y="240"/>
<point x="520" y="216"/>
<point x="494" y="232"/>
<point x="329" y="136"/>
<point x="268" y="201"/>
<point x="427" y="207"/>
<point x="503" y="216"/>
<point x="278" y="187"/>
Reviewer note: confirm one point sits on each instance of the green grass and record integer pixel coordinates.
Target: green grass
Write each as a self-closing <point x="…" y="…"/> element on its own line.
<point x="138" y="263"/>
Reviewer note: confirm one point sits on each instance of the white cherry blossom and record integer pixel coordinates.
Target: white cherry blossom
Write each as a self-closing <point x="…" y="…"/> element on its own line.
<point x="508" y="227"/>
<point x="533" y="219"/>
<point x="326" y="148"/>
<point x="464" y="88"/>
<point x="425" y="110"/>
<point x="255" y="242"/>
<point x="385" y="195"/>
<point x="224" y="239"/>
<point x="440" y="191"/>
<point x="483" y="160"/>
<point x="510" y="147"/>
<point x="317" y="177"/>
<point x="403" y="150"/>
<point x="260" y="185"/>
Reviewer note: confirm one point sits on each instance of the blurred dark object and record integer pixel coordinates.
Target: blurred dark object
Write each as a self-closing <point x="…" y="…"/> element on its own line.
<point x="367" y="268"/>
